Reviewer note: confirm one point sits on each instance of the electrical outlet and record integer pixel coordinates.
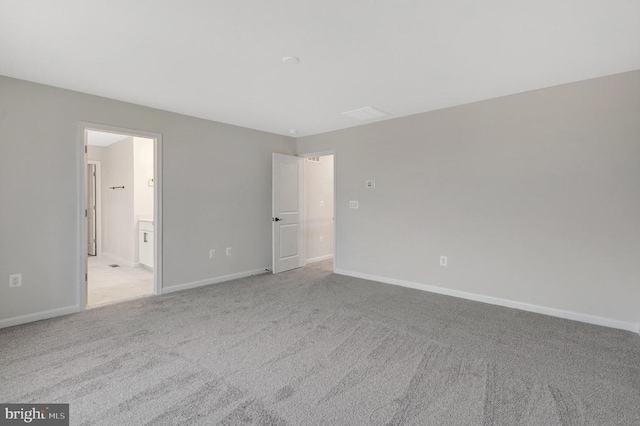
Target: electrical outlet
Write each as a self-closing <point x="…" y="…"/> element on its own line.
<point x="228" y="251"/>
<point x="15" y="280"/>
<point x="212" y="253"/>
<point x="443" y="260"/>
<point x="370" y="184"/>
<point x="353" y="204"/>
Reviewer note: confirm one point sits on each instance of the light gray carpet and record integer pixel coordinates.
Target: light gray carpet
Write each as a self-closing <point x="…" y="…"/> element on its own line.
<point x="308" y="347"/>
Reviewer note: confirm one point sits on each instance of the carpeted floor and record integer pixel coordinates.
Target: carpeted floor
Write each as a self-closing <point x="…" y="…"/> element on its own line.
<point x="309" y="347"/>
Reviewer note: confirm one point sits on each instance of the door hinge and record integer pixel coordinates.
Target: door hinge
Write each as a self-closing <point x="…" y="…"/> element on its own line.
<point x="86" y="276"/>
<point x="86" y="214"/>
<point x="85" y="149"/>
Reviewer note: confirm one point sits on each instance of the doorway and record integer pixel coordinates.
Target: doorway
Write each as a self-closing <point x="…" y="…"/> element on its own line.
<point x="121" y="227"/>
<point x="303" y="211"/>
<point x="319" y="211"/>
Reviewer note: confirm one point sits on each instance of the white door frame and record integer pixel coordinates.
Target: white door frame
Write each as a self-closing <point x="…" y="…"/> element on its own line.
<point x="82" y="191"/>
<point x="98" y="217"/>
<point x="335" y="202"/>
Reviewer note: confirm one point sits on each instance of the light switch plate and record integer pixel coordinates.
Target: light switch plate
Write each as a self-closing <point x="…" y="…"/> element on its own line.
<point x="353" y="204"/>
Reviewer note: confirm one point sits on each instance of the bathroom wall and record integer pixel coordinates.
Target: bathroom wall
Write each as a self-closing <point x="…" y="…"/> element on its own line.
<point x="118" y="204"/>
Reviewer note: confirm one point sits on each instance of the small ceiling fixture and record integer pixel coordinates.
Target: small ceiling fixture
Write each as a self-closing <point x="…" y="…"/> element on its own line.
<point x="291" y="60"/>
<point x="293" y="131"/>
<point x="366" y="113"/>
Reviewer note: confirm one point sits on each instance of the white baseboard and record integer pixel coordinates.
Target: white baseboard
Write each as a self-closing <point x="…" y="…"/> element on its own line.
<point x="37" y="316"/>
<point x="319" y="258"/>
<point x="215" y="280"/>
<point x="575" y="316"/>
<point x="118" y="259"/>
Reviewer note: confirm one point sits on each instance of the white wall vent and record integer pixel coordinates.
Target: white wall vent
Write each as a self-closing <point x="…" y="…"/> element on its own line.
<point x="366" y="113"/>
<point x="315" y="159"/>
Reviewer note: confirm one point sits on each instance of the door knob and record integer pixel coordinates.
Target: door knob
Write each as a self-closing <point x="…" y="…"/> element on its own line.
<point x="277" y="219"/>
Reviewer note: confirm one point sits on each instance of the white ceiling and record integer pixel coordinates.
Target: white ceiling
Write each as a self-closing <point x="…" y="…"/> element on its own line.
<point x="96" y="138"/>
<point x="221" y="60"/>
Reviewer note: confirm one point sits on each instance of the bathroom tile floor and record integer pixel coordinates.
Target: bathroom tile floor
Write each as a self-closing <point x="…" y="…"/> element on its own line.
<point x="111" y="285"/>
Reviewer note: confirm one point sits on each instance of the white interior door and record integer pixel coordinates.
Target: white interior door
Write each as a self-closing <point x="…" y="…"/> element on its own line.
<point x="287" y="213"/>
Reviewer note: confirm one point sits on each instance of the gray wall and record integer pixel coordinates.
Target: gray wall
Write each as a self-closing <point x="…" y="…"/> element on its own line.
<point x="217" y="192"/>
<point x="533" y="197"/>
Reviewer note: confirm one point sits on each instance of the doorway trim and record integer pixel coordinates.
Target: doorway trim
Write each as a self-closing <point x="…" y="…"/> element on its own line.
<point x="98" y="165"/>
<point x="82" y="160"/>
<point x="335" y="201"/>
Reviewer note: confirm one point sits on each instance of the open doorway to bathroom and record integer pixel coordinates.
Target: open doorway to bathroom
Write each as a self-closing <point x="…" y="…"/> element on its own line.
<point x="120" y="216"/>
